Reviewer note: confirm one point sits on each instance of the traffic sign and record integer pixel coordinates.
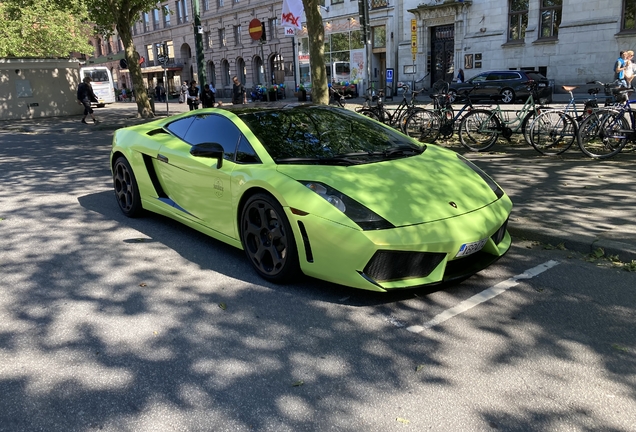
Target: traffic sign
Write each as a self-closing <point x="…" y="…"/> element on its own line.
<point x="256" y="29"/>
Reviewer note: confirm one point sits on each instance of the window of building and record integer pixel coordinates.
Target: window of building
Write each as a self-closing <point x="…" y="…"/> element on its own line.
<point x="379" y="36"/>
<point x="225" y="73"/>
<point x="150" y="54"/>
<point x="222" y="40"/>
<point x="517" y="20"/>
<point x="376" y="4"/>
<point x="272" y="24"/>
<point x="182" y="11"/>
<point x="207" y="39"/>
<point x="146" y="21"/>
<point x="237" y="35"/>
<point x="333" y="2"/>
<point x="550" y="18"/>
<point x="220" y="3"/>
<point x="629" y="15"/>
<point x="155" y="19"/>
<point x="206" y="5"/>
<point x="98" y="45"/>
<point x="166" y="18"/>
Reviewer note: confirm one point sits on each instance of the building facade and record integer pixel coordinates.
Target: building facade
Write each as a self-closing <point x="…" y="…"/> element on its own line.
<point x="570" y="41"/>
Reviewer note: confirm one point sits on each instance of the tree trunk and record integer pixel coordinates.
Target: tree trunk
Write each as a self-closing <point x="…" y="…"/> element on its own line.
<point x="141" y="93"/>
<point x="316" y="33"/>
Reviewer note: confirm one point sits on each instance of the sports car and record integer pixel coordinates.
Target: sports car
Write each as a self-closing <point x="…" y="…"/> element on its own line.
<point x="314" y="189"/>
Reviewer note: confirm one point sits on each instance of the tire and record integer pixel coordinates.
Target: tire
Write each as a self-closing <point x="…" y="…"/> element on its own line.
<point x="603" y="134"/>
<point x="507" y="96"/>
<point x="479" y="130"/>
<point x="452" y="95"/>
<point x="552" y="132"/>
<point x="370" y="113"/>
<point x="528" y="119"/>
<point x="268" y="239"/>
<point x="126" y="189"/>
<point x="423" y="125"/>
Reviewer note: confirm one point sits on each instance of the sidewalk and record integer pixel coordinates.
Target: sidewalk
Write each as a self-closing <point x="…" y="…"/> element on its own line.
<point x="570" y="201"/>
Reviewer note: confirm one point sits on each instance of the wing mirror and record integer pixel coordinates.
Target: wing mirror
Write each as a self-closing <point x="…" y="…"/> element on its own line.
<point x="209" y="150"/>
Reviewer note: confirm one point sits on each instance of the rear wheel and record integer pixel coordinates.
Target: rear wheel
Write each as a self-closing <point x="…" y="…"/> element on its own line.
<point x="507" y="96"/>
<point x="370" y="113"/>
<point x="552" y="132"/>
<point x="479" y="130"/>
<point x="126" y="189"/>
<point x="604" y="134"/>
<point x="268" y="239"/>
<point x="422" y="125"/>
<point x="528" y="119"/>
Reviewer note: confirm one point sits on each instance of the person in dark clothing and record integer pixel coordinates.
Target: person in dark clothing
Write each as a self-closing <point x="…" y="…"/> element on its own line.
<point x="238" y="92"/>
<point x="193" y="96"/>
<point x="207" y="97"/>
<point x="85" y="96"/>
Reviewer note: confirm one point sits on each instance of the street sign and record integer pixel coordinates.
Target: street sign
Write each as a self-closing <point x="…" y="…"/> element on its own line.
<point x="256" y="29"/>
<point x="162" y="59"/>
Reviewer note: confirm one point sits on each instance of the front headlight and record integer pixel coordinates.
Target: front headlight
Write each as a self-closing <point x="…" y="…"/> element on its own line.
<point x="365" y="218"/>
<point x="490" y="182"/>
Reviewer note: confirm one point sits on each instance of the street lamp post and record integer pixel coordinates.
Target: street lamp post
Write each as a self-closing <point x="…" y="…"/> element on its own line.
<point x="198" y="43"/>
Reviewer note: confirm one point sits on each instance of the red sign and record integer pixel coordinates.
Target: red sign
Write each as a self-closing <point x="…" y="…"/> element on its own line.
<point x="256" y="29"/>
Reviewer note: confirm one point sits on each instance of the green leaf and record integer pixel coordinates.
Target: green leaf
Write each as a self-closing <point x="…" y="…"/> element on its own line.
<point x="223" y="306"/>
<point x="298" y="383"/>
<point x="402" y="420"/>
<point x="419" y="367"/>
<point x="598" y="253"/>
<point x="620" y="348"/>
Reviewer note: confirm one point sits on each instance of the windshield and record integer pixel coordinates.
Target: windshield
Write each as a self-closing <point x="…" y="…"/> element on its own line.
<point x="97" y="75"/>
<point x="318" y="134"/>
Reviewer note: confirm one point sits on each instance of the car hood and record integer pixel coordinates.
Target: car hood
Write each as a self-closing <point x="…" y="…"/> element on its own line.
<point x="432" y="186"/>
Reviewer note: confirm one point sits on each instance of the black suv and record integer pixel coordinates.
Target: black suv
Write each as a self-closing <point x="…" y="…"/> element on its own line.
<point x="511" y="85"/>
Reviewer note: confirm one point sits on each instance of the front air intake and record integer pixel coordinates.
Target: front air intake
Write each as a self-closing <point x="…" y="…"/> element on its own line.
<point x="387" y="266"/>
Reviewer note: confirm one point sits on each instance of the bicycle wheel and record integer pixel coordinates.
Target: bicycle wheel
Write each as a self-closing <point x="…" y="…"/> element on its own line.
<point x="528" y="119"/>
<point x="422" y="125"/>
<point x="479" y="130"/>
<point x="603" y="134"/>
<point x="552" y="132"/>
<point x="370" y="113"/>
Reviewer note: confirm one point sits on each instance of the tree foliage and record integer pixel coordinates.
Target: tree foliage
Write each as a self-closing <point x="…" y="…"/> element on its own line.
<point x="43" y="28"/>
<point x="121" y="15"/>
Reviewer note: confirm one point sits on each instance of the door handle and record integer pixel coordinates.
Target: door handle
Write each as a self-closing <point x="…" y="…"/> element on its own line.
<point x="162" y="158"/>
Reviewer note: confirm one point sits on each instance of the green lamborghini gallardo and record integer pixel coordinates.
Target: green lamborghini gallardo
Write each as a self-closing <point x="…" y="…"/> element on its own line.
<point x="316" y="190"/>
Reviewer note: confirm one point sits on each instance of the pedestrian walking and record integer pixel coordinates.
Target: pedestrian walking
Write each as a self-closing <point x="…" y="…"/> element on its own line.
<point x="207" y="97"/>
<point x="460" y="76"/>
<point x="160" y="92"/>
<point x="85" y="96"/>
<point x="193" y="96"/>
<point x="629" y="68"/>
<point x="183" y="96"/>
<point x="619" y="69"/>
<point x="238" y="92"/>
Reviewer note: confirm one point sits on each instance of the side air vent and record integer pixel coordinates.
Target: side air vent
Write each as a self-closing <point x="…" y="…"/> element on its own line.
<point x="156" y="131"/>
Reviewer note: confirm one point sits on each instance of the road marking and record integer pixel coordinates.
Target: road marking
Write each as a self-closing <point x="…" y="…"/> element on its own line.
<point x="483" y="296"/>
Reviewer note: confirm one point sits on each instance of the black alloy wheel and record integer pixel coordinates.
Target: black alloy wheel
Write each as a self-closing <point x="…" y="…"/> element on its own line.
<point x="268" y="239"/>
<point x="126" y="189"/>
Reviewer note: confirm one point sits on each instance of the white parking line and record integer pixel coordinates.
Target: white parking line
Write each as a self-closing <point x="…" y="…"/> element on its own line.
<point x="483" y="296"/>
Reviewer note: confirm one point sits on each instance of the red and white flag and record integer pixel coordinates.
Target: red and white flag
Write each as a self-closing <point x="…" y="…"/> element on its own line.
<point x="292" y="13"/>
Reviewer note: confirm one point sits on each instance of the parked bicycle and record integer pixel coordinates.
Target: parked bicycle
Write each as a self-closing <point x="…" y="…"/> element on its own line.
<point x="427" y="125"/>
<point x="605" y="132"/>
<point x="394" y="118"/>
<point x="480" y="129"/>
<point x="554" y="131"/>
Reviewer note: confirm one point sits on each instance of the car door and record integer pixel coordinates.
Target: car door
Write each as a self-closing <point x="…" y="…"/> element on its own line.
<point x="479" y="82"/>
<point x="196" y="184"/>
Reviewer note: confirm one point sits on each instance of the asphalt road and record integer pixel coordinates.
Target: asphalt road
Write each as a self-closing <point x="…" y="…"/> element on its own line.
<point x="116" y="324"/>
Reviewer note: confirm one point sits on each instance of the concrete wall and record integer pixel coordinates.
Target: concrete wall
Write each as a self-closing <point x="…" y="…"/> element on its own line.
<point x="32" y="88"/>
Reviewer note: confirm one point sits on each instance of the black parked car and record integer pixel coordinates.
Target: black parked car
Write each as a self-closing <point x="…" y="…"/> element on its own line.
<point x="511" y="85"/>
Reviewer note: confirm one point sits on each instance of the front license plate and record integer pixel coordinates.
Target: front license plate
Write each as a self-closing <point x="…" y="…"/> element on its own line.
<point x="542" y="84"/>
<point x="471" y="248"/>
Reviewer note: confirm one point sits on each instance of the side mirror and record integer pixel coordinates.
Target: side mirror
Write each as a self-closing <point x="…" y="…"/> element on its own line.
<point x="209" y="150"/>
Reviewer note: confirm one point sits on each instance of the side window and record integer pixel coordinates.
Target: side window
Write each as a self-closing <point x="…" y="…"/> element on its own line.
<point x="479" y="78"/>
<point x="509" y="76"/>
<point x="212" y="128"/>
<point x="246" y="153"/>
<point x="493" y="77"/>
<point x="180" y="127"/>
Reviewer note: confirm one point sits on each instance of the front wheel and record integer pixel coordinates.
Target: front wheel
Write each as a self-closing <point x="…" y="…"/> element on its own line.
<point x="422" y="125"/>
<point x="603" y="134"/>
<point x="552" y="132"/>
<point x="268" y="239"/>
<point x="479" y="130"/>
<point x="126" y="189"/>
